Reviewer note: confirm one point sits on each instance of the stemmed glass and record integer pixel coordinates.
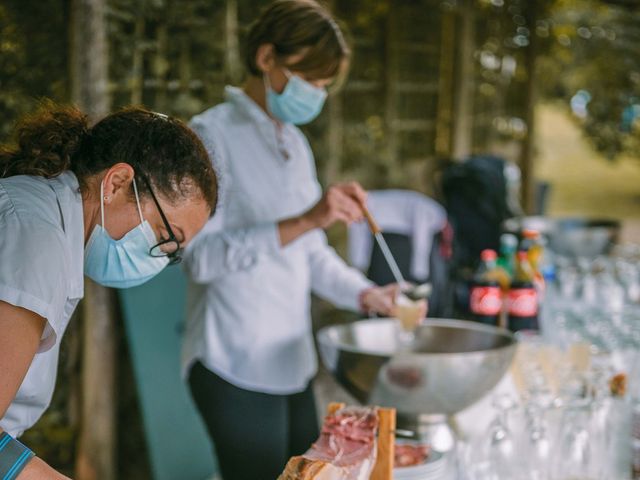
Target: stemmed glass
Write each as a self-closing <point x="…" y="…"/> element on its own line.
<point x="572" y="459"/>
<point x="537" y="441"/>
<point x="410" y="308"/>
<point x="496" y="455"/>
<point x="569" y="425"/>
<point x="408" y="312"/>
<point x="537" y="362"/>
<point x="599" y="395"/>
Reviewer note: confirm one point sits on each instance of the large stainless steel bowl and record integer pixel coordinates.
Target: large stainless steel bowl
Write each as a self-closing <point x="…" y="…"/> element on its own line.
<point x="450" y="365"/>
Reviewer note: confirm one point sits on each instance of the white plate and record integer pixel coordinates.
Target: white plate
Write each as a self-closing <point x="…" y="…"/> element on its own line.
<point x="434" y="465"/>
<point x="435" y="475"/>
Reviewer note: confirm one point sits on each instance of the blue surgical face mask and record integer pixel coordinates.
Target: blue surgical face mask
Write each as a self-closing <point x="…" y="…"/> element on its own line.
<point x="299" y="103"/>
<point x="126" y="262"/>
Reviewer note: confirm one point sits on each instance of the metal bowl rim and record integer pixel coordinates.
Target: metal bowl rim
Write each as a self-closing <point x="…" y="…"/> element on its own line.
<point x="442" y="322"/>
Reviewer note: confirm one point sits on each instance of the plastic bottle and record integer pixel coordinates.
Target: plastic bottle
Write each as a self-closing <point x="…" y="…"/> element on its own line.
<point x="533" y="244"/>
<point x="507" y="260"/>
<point x="522" y="300"/>
<point x="508" y="247"/>
<point x="485" y="302"/>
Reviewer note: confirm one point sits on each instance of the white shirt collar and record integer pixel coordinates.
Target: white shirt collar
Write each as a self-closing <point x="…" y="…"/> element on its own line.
<point x="247" y="105"/>
<point x="277" y="134"/>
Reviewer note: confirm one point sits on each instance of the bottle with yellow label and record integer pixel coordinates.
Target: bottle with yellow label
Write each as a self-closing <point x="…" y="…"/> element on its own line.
<point x="533" y="245"/>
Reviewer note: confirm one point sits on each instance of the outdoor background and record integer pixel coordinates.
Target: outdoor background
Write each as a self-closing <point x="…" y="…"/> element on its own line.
<point x="553" y="85"/>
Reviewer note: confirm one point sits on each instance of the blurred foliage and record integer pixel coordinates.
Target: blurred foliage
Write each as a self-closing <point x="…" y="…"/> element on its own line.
<point x="172" y="56"/>
<point x="503" y="37"/>
<point x="595" y="46"/>
<point x="33" y="56"/>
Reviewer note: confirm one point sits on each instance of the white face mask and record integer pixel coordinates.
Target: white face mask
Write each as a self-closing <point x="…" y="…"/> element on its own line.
<point x="126" y="262"/>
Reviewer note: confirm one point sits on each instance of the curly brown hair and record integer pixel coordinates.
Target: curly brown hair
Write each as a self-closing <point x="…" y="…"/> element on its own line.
<point x="58" y="138"/>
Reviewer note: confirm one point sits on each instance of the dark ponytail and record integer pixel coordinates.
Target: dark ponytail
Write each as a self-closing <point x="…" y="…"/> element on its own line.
<point x="160" y="148"/>
<point x="46" y="142"/>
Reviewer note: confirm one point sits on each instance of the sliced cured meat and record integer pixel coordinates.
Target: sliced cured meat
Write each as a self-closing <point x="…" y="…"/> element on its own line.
<point x="346" y="449"/>
<point x="408" y="455"/>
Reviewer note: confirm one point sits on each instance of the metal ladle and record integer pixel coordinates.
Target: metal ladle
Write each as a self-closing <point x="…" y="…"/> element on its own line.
<point x="414" y="292"/>
<point x="377" y="233"/>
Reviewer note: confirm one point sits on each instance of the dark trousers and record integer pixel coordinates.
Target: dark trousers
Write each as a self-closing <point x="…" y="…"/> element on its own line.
<point x="254" y="433"/>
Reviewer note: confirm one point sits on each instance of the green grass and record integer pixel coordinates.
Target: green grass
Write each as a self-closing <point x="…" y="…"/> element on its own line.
<point x="583" y="182"/>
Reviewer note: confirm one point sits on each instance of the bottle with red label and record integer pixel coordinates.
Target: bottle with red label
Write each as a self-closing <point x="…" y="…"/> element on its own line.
<point x="522" y="300"/>
<point x="485" y="302"/>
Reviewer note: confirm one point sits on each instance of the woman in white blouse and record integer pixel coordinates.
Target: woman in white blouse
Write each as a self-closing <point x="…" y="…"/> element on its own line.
<point x="249" y="352"/>
<point x="116" y="202"/>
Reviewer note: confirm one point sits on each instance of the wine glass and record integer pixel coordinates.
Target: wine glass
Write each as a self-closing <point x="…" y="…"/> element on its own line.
<point x="409" y="310"/>
<point x="537" y="441"/>
<point x="496" y="456"/>
<point x="572" y="458"/>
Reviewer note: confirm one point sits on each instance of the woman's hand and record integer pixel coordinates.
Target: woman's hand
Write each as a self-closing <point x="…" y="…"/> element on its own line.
<point x="382" y="300"/>
<point x="340" y="203"/>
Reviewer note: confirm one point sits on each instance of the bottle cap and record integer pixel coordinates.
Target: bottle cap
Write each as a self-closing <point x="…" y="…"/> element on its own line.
<point x="488" y="255"/>
<point x="530" y="233"/>
<point x="509" y="240"/>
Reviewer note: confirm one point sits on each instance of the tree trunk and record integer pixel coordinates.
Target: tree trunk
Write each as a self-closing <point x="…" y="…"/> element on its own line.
<point x="334" y="138"/>
<point x="89" y="57"/>
<point x="137" y="67"/>
<point x="96" y="458"/>
<point x="89" y="76"/>
<point x="464" y="83"/>
<point x="391" y="84"/>
<point x="233" y="64"/>
<point x="526" y="160"/>
<point x="446" y="76"/>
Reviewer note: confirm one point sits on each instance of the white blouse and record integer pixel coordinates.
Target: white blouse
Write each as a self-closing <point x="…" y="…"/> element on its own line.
<point x="248" y="306"/>
<point x="41" y="270"/>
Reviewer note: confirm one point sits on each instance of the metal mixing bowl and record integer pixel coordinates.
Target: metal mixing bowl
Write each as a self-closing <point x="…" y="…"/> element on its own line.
<point x="447" y="367"/>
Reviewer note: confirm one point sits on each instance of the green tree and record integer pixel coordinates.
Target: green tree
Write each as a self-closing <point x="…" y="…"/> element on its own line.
<point x="33" y="56"/>
<point x="595" y="47"/>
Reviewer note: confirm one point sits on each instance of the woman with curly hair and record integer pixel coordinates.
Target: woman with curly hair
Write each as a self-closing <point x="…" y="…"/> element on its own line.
<point x="117" y="202"/>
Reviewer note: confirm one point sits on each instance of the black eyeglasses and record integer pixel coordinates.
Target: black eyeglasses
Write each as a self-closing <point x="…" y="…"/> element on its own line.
<point x="169" y="247"/>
